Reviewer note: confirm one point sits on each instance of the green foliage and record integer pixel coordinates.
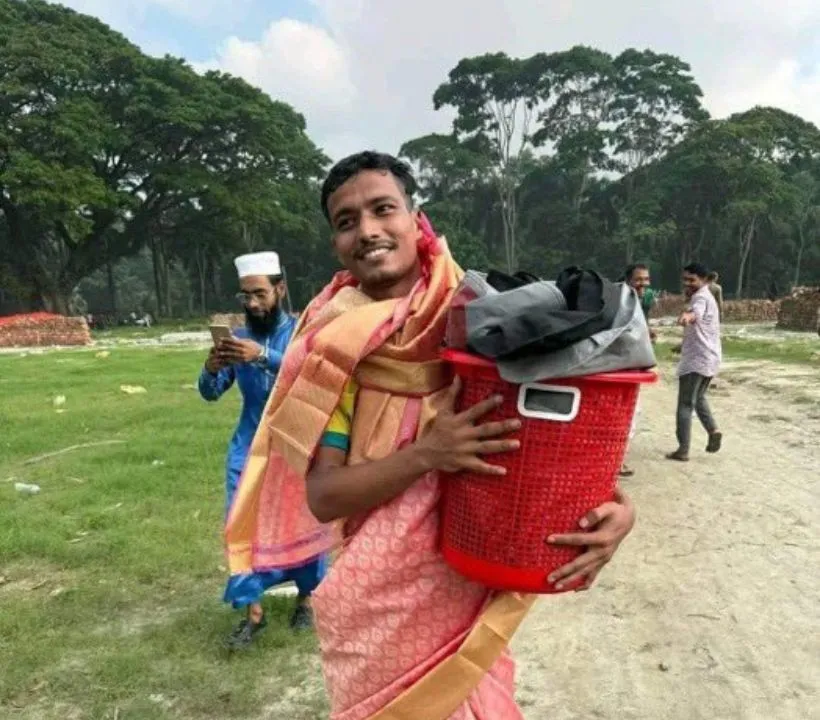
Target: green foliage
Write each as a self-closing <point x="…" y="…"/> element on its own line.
<point x="144" y="179"/>
<point x="104" y="150"/>
<point x="605" y="160"/>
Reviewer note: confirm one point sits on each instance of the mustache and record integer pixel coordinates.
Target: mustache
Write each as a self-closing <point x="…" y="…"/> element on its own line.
<point x="366" y="247"/>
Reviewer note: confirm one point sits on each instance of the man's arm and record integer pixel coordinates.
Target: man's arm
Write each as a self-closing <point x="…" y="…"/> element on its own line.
<point x="215" y="379"/>
<point x="694" y="313"/>
<point x="336" y="490"/>
<point x="454" y="442"/>
<point x="271" y="360"/>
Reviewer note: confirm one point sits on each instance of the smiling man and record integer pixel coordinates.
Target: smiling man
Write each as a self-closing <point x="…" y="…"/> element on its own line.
<point x="351" y="453"/>
<point x="700" y="360"/>
<point x="252" y="358"/>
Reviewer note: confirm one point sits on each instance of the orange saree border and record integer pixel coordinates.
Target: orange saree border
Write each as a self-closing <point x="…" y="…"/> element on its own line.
<point x="438" y="694"/>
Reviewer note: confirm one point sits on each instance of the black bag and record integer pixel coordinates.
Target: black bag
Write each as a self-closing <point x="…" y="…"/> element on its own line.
<point x="527" y="321"/>
<point x="502" y="282"/>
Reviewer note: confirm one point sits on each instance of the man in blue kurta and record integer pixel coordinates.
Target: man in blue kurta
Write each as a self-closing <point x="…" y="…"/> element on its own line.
<point x="251" y="358"/>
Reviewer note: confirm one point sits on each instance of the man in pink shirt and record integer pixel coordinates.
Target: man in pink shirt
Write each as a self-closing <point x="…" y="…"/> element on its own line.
<point x="700" y="359"/>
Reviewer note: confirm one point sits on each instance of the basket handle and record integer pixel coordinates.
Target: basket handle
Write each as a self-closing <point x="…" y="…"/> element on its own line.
<point x="559" y="403"/>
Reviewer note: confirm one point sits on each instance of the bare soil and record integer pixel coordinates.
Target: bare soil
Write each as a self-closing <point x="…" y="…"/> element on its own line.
<point x="710" y="609"/>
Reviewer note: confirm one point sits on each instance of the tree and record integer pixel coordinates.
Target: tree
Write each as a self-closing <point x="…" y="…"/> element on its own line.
<point x="494" y="97"/>
<point x="806" y="215"/>
<point x="446" y="166"/>
<point x="763" y="144"/>
<point x="103" y="149"/>
<point x="656" y="102"/>
<point x="575" y="99"/>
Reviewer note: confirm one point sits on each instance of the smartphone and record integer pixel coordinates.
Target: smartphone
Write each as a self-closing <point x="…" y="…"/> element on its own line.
<point x="220" y="333"/>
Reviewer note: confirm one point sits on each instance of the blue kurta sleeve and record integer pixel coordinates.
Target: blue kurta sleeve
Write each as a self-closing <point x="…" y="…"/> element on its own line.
<point x="273" y="361"/>
<point x="212" y="387"/>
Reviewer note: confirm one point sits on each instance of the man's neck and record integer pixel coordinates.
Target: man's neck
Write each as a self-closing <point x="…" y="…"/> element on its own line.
<point x="395" y="290"/>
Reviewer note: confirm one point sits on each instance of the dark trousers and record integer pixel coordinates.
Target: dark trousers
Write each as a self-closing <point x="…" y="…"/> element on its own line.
<point x="692" y="399"/>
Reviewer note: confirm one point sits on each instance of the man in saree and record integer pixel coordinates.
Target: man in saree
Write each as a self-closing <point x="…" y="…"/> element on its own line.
<point x="350" y="455"/>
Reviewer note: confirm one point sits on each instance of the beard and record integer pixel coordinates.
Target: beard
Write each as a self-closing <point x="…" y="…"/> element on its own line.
<point x="263" y="324"/>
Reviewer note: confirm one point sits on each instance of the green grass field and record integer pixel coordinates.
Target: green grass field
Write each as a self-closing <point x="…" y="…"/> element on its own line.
<point x="111" y="576"/>
<point x="788" y="352"/>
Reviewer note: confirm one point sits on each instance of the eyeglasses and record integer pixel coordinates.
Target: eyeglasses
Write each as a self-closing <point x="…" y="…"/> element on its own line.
<point x="259" y="295"/>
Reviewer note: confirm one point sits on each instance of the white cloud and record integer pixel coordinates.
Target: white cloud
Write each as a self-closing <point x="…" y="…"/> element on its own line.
<point x="364" y="77"/>
<point x="301" y="64"/>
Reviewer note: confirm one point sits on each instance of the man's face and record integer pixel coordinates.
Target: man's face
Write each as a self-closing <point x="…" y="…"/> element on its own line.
<point x="375" y="234"/>
<point x="640" y="280"/>
<point x="692" y="283"/>
<point x="260" y="297"/>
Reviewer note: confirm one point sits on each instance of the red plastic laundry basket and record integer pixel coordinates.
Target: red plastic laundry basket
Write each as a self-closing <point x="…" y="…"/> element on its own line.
<point x="573" y="440"/>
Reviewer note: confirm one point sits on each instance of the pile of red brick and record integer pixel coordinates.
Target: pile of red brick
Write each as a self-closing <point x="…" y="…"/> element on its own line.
<point x="43" y="330"/>
<point x="801" y="311"/>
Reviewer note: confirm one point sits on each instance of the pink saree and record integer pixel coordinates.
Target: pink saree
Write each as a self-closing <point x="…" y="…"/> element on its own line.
<point x="402" y="636"/>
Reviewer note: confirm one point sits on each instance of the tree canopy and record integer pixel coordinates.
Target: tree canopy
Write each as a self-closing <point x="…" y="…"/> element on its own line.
<point x="105" y="151"/>
<point x="137" y="179"/>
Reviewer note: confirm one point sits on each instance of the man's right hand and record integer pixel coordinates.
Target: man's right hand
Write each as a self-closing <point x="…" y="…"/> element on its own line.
<point x="457" y="441"/>
<point x="214" y="363"/>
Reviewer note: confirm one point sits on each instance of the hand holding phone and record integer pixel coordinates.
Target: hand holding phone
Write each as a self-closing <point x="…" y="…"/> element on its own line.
<point x="220" y="333"/>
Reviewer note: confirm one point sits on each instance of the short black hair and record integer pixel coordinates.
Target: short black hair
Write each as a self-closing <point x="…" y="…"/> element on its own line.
<point x="698" y="269"/>
<point x="351" y="166"/>
<point x="630" y="270"/>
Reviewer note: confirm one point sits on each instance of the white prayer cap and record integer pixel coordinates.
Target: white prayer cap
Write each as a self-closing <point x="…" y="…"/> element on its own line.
<point x="261" y="263"/>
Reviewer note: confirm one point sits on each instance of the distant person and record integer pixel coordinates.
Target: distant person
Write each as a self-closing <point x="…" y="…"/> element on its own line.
<point x="699" y="361"/>
<point x="717" y="291"/>
<point x="639" y="279"/>
<point x="253" y="359"/>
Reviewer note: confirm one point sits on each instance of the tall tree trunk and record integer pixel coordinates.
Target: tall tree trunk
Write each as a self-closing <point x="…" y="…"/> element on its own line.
<point x="165" y="268"/>
<point x="156" y="264"/>
<point x="56" y="297"/>
<point x="201" y="271"/>
<point x="746" y="234"/>
<point x="799" y="262"/>
<point x="508" y="222"/>
<point x="578" y="198"/>
<point x="112" y="287"/>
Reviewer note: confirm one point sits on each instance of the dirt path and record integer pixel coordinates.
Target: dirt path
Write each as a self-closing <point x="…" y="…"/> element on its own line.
<point x="712" y="608"/>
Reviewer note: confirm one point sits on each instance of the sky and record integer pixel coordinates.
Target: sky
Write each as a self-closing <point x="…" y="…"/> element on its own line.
<point x="363" y="72"/>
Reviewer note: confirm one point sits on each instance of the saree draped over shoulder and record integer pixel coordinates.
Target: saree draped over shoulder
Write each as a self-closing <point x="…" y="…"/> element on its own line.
<point x="402" y="636"/>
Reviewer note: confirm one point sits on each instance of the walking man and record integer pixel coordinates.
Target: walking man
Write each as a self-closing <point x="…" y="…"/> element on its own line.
<point x="252" y="358"/>
<point x="699" y="361"/>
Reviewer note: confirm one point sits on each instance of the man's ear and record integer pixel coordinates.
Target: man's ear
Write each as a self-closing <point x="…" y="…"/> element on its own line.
<point x="415" y="215"/>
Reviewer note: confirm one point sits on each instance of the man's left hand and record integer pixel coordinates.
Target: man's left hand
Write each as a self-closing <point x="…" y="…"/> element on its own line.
<point x="236" y="352"/>
<point x="687" y="318"/>
<point x="604" y="528"/>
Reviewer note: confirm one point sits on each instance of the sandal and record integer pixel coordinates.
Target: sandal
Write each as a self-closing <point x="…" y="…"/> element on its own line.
<point x="625" y="471"/>
<point x="679" y="456"/>
<point x="244" y="633"/>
